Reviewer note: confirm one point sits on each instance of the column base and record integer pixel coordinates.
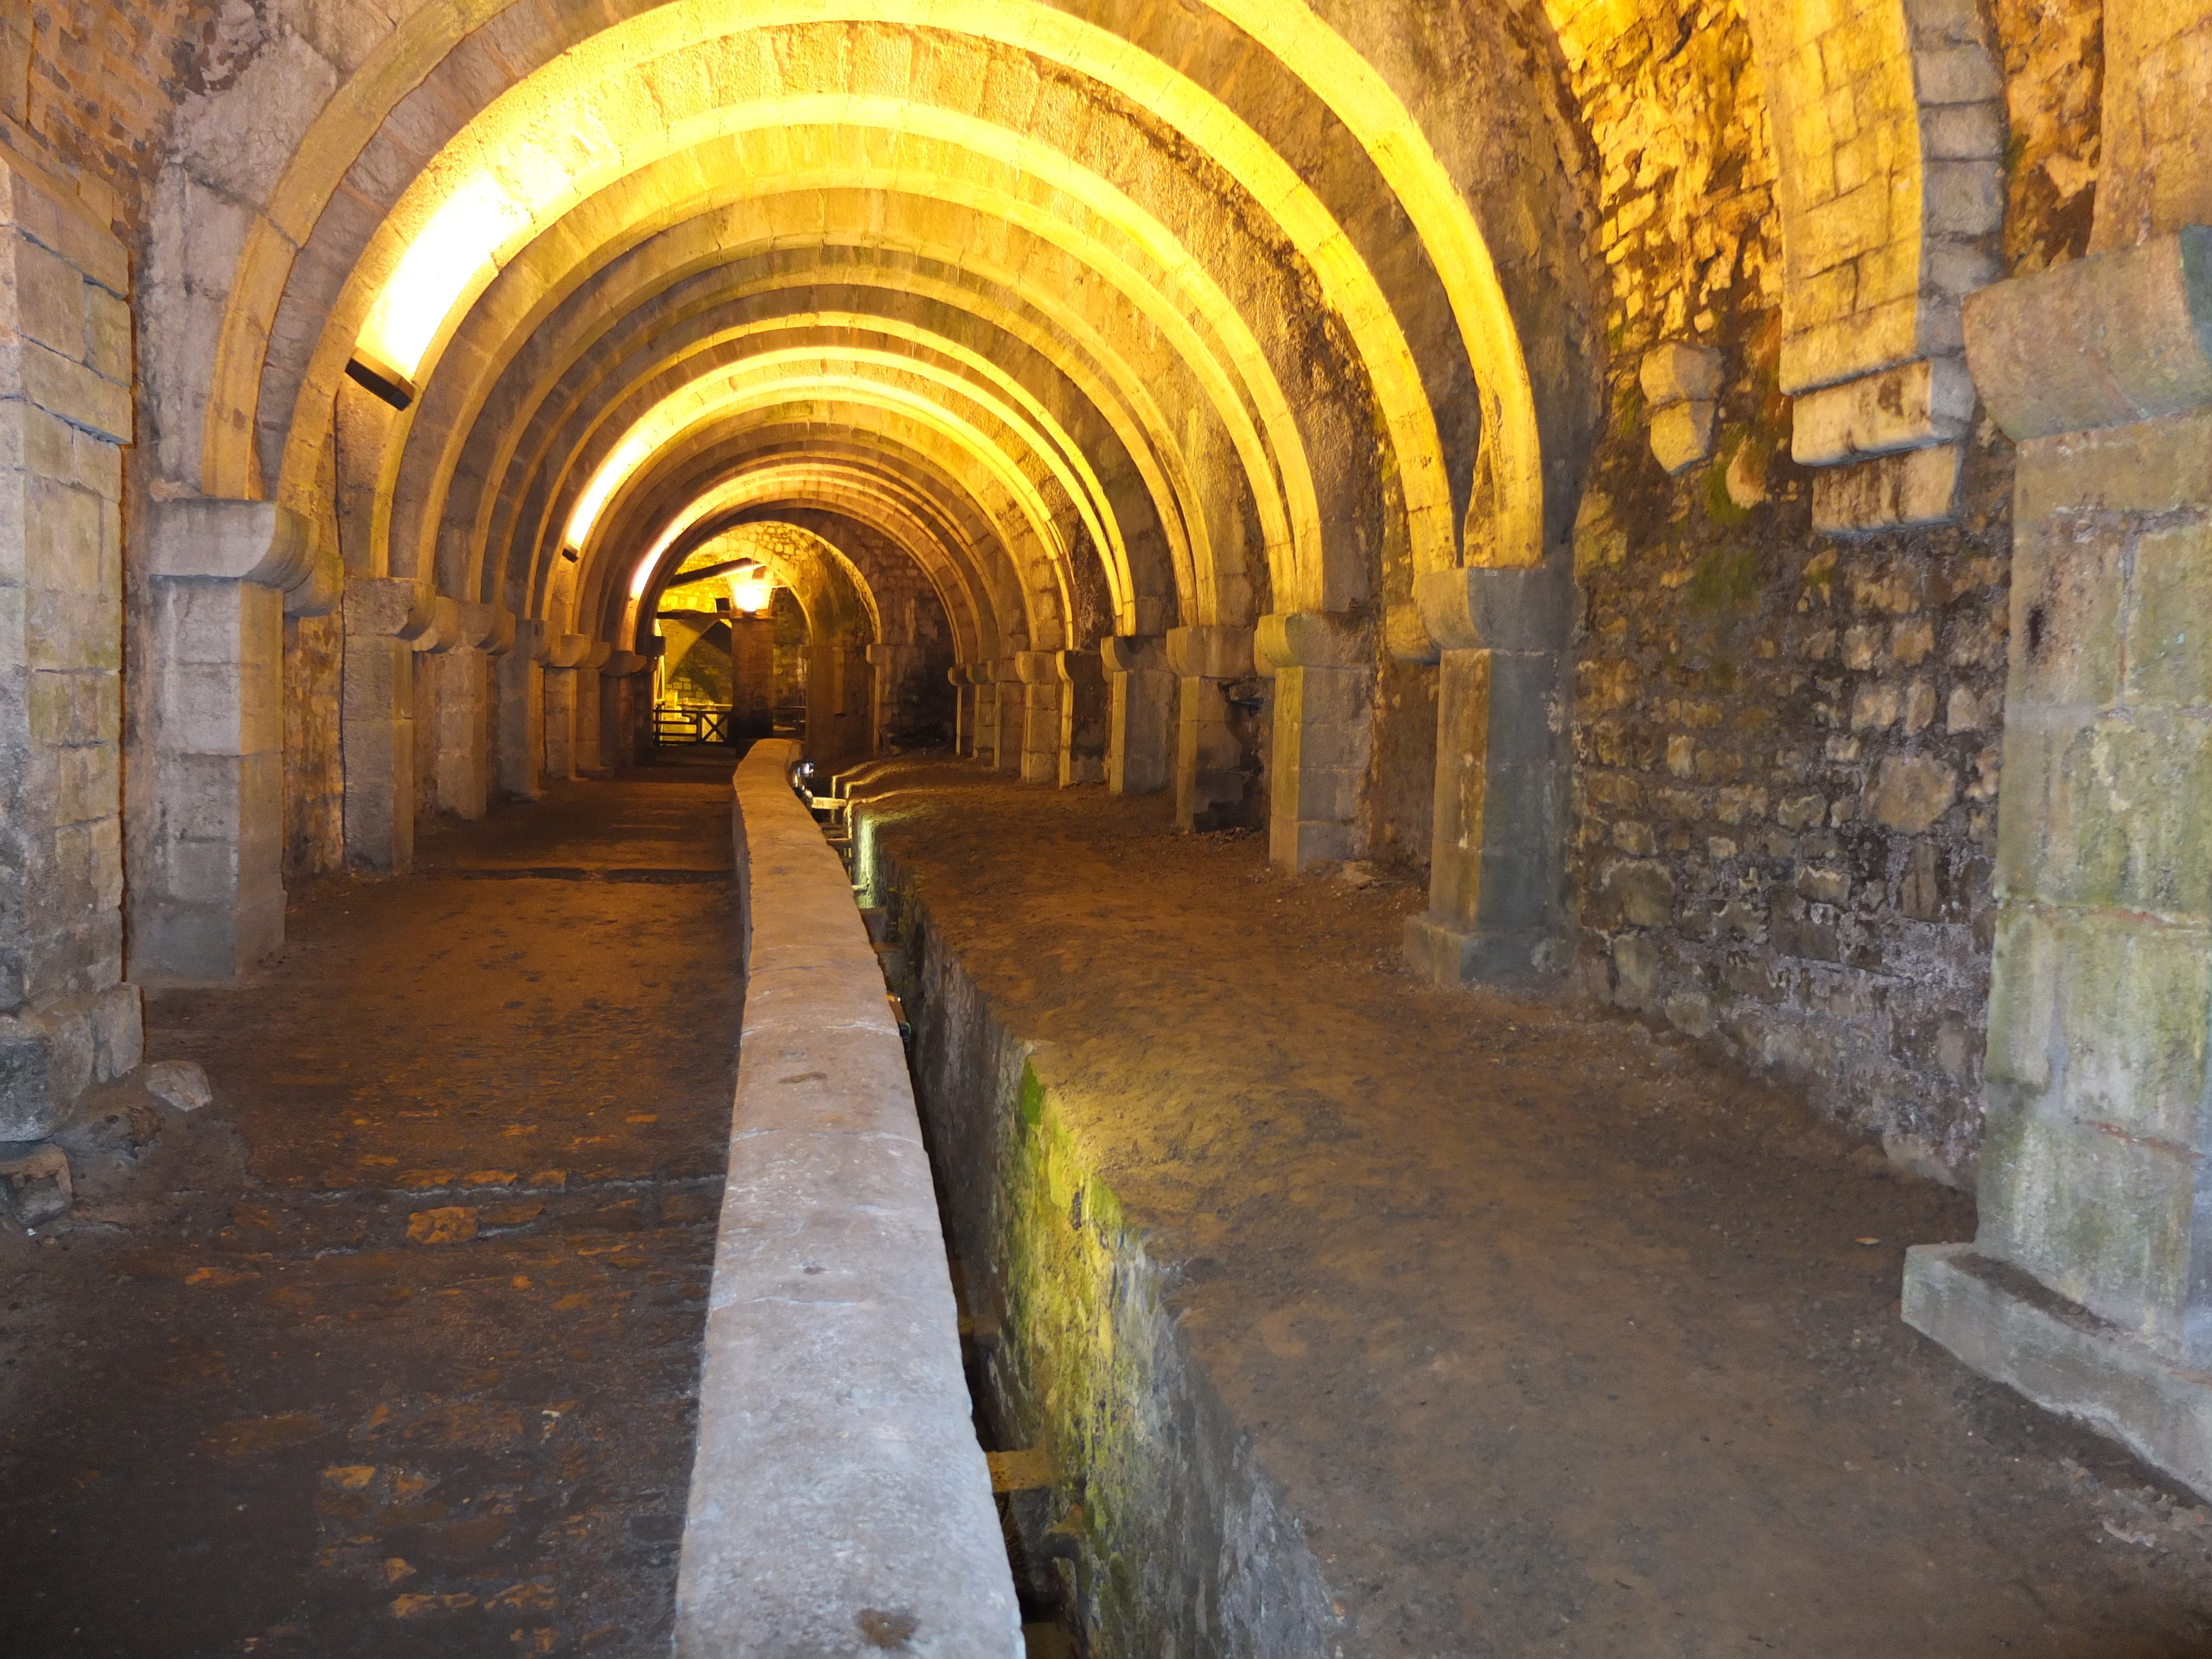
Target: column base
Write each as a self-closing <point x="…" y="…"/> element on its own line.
<point x="2001" y="1322"/>
<point x="1437" y="951"/>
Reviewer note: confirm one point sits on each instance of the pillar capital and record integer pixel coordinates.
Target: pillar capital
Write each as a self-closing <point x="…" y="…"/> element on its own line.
<point x="1127" y="653"/>
<point x="1210" y="651"/>
<point x="1521" y="608"/>
<point x="201" y="537"/>
<point x="1314" y="638"/>
<point x="1036" y="667"/>
<point x="2105" y="340"/>
<point x="566" y="650"/>
<point x="390" y="607"/>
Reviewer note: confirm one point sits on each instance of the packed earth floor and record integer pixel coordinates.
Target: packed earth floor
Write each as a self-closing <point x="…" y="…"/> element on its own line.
<point x="393" y="1349"/>
<point x="1556" y="1339"/>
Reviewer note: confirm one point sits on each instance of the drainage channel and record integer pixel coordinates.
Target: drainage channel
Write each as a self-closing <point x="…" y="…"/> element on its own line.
<point x="1042" y="1534"/>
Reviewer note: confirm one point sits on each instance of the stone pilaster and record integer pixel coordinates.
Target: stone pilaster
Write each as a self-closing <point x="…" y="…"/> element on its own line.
<point x="2090" y="1285"/>
<point x="565" y="655"/>
<point x="520" y="732"/>
<point x="837" y="699"/>
<point x="1039" y="673"/>
<point x="1497" y="883"/>
<point x="208" y="894"/>
<point x="1215" y="775"/>
<point x="590" y="755"/>
<point x="1000" y="741"/>
<point x="1324" y="735"/>
<point x="1141" y="716"/>
<point x="385" y="617"/>
<point x="893" y="661"/>
<point x="462" y="670"/>
<point x="963" y="681"/>
<point x="621" y="677"/>
<point x="1084" y="700"/>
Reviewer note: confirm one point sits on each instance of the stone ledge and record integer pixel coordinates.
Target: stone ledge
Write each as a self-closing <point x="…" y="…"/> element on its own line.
<point x="2006" y="1325"/>
<point x="838" y="1475"/>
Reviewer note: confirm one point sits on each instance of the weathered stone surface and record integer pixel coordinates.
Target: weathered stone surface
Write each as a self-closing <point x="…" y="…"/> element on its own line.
<point x="1909" y="407"/>
<point x="181" y="1083"/>
<point x="830" y="1263"/>
<point x="1682" y="434"/>
<point x="1894" y="492"/>
<point x="1911" y="791"/>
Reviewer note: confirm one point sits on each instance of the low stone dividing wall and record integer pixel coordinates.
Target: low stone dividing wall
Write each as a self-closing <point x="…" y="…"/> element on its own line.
<point x="841" y="1504"/>
<point x="1175" y="1541"/>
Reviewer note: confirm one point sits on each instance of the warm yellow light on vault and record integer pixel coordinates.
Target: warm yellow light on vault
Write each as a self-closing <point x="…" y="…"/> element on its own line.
<point x="444" y="258"/>
<point x="627" y="456"/>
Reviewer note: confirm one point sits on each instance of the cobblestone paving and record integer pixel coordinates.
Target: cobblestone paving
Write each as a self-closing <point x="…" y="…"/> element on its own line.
<point x="393" y="1349"/>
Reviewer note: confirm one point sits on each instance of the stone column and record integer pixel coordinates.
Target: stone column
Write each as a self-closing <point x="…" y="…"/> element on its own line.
<point x="1214" y="775"/>
<point x="385" y="619"/>
<point x="963" y="708"/>
<point x="2089" y="1286"/>
<point x="521" y="734"/>
<point x="1004" y="734"/>
<point x="1324" y="735"/>
<point x="1083" y="703"/>
<point x="208" y="849"/>
<point x="1141" y="715"/>
<point x="1497" y="885"/>
<point x="1039" y="672"/>
<point x="893" y="661"/>
<point x="565" y="656"/>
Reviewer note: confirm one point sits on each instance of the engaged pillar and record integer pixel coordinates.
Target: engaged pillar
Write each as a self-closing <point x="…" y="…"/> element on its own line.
<point x="1216" y="773"/>
<point x="1005" y="731"/>
<point x="1039" y="672"/>
<point x="385" y="618"/>
<point x="1141" y="715"/>
<point x="890" y="707"/>
<point x="519" y="734"/>
<point x="1496" y="898"/>
<point x="565" y="655"/>
<point x="2090" y="1285"/>
<point x="963" y="681"/>
<point x="461" y="750"/>
<point x="1324" y="735"/>
<point x="208" y="889"/>
<point x="1083" y="700"/>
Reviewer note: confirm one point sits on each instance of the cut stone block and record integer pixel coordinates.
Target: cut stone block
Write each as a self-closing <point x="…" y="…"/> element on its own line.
<point x="1890" y="492"/>
<point x="1909" y="407"/>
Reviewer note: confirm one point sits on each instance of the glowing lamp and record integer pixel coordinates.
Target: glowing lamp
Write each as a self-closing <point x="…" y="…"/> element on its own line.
<point x="751" y="588"/>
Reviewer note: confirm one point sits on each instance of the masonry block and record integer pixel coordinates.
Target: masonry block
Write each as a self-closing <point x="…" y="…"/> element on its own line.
<point x="1916" y="488"/>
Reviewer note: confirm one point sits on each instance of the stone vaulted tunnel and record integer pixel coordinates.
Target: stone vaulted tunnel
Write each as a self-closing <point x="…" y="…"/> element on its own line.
<point x="1516" y="694"/>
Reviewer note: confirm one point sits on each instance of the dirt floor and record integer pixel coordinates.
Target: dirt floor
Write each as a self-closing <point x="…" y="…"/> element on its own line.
<point x="1558" y="1340"/>
<point x="393" y="1349"/>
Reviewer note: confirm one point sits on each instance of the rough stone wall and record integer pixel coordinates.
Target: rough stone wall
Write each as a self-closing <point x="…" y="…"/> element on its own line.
<point x="2054" y="64"/>
<point x="87" y="88"/>
<point x="1786" y="745"/>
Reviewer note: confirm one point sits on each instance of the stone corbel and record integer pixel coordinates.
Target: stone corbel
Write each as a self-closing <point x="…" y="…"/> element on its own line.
<point x="597" y="654"/>
<point x="443" y="632"/>
<point x="621" y="665"/>
<point x="2106" y="341"/>
<point x="322" y="590"/>
<point x="484" y="628"/>
<point x="198" y="538"/>
<point x="393" y="607"/>
<point x="1522" y="609"/>
<point x="1210" y="653"/>
<point x="566" y="650"/>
